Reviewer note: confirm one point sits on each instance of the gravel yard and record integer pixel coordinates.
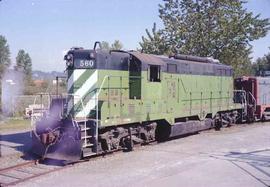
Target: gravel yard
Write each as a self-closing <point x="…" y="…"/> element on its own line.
<point x="237" y="156"/>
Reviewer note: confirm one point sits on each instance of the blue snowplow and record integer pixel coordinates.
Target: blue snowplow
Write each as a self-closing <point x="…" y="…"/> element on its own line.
<point x="55" y="136"/>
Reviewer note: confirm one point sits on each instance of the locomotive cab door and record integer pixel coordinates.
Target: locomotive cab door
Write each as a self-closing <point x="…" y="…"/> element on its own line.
<point x="134" y="79"/>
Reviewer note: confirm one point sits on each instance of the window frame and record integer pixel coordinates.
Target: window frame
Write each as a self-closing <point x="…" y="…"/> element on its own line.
<point x="158" y="79"/>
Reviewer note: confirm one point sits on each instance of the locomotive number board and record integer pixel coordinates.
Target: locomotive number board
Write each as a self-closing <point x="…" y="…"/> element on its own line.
<point x="84" y="63"/>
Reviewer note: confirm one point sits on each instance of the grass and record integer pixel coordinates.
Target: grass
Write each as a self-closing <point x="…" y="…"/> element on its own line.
<point x="15" y="124"/>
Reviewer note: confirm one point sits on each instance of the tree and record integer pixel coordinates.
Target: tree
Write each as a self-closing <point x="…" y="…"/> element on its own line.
<point x="24" y="64"/>
<point x="117" y="45"/>
<point x="262" y="64"/>
<point x="154" y="42"/>
<point x="105" y="45"/>
<point x="4" y="55"/>
<point x="222" y="29"/>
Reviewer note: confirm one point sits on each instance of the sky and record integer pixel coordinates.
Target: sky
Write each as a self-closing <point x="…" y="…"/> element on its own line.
<point x="47" y="28"/>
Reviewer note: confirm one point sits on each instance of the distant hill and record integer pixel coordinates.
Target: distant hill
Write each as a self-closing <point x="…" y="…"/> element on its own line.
<point x="40" y="75"/>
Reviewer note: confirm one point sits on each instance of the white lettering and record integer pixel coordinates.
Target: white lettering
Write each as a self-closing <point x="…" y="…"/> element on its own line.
<point x="87" y="63"/>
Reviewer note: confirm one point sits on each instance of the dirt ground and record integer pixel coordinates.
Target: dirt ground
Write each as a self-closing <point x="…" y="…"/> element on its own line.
<point x="237" y="156"/>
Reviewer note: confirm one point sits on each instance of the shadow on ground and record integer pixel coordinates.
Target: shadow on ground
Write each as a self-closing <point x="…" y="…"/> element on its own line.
<point x="254" y="163"/>
<point x="20" y="141"/>
<point x="258" y="157"/>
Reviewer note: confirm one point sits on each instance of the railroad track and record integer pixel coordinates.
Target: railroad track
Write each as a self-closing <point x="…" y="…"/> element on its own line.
<point x="25" y="171"/>
<point x="31" y="169"/>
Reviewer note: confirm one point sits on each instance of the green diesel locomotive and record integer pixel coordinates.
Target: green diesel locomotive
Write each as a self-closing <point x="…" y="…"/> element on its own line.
<point x="119" y="98"/>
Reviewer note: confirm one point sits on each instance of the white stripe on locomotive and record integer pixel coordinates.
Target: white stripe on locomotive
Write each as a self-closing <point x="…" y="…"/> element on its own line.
<point x="82" y="91"/>
<point x="91" y="104"/>
<point x="74" y="77"/>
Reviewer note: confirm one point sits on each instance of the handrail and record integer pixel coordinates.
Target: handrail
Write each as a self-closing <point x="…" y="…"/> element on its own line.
<point x="253" y="98"/>
<point x="244" y="98"/>
<point x="244" y="93"/>
<point x="78" y="97"/>
<point x="97" y="122"/>
<point x="42" y="108"/>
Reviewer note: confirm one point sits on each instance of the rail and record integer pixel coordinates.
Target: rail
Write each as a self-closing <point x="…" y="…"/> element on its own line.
<point x="25" y="171"/>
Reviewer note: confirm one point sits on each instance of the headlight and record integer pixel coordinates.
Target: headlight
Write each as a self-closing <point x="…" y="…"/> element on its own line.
<point x="69" y="63"/>
<point x="69" y="57"/>
<point x="69" y="60"/>
<point x="92" y="55"/>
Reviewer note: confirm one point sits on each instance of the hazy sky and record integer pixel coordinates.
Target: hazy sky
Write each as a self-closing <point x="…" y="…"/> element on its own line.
<point x="45" y="28"/>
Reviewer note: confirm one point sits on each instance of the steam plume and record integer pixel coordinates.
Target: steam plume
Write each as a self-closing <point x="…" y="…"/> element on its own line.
<point x="12" y="86"/>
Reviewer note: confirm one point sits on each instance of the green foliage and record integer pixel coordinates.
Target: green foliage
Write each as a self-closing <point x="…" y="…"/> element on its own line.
<point x="222" y="29"/>
<point x="262" y="64"/>
<point x="105" y="45"/>
<point x="116" y="45"/>
<point x="32" y="87"/>
<point x="154" y="42"/>
<point x="44" y="86"/>
<point x="4" y="55"/>
<point x="24" y="64"/>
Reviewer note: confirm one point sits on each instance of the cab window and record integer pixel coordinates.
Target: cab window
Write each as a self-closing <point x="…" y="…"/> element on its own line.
<point x="154" y="73"/>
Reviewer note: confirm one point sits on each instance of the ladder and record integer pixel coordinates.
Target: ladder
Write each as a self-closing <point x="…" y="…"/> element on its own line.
<point x="88" y="131"/>
<point x="88" y="137"/>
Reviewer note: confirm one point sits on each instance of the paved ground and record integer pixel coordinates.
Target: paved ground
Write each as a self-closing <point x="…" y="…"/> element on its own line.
<point x="238" y="156"/>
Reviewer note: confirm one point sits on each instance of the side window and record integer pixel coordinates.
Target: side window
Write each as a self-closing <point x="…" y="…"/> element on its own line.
<point x="172" y="68"/>
<point x="154" y="73"/>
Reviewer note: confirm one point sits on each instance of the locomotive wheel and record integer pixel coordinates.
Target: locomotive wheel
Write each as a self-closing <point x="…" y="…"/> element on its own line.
<point x="128" y="144"/>
<point x="218" y="124"/>
<point x="163" y="131"/>
<point x="263" y="119"/>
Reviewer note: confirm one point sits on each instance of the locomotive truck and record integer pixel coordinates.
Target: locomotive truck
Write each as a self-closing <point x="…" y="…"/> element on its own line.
<point x="116" y="99"/>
